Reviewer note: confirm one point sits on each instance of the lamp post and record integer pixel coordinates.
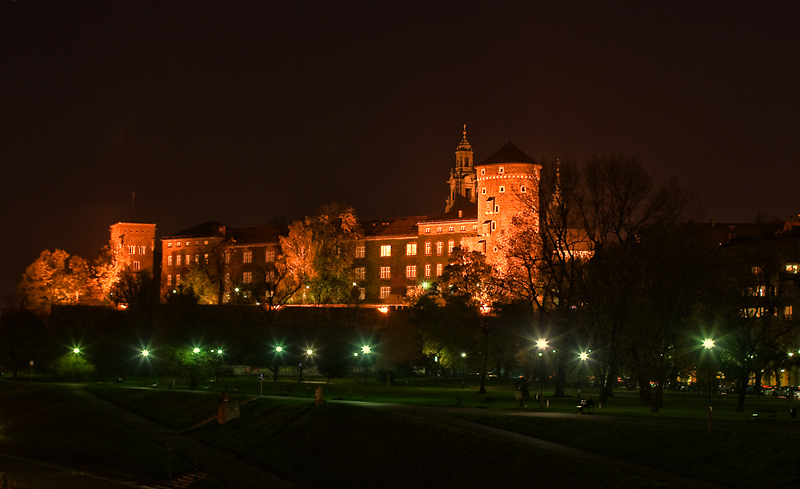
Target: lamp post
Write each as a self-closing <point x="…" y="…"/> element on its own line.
<point x="583" y="356"/>
<point x="541" y="344"/>
<point x="309" y="353"/>
<point x="145" y="353"/>
<point x="365" y="350"/>
<point x="708" y="344"/>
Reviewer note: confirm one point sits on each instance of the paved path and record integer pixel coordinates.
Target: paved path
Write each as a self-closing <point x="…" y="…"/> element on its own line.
<point x="22" y="472"/>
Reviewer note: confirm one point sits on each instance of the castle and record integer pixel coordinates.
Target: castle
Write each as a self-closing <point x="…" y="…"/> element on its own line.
<point x="394" y="257"/>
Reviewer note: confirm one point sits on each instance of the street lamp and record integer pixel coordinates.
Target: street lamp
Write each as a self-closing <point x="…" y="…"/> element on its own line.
<point x="541" y="344"/>
<point x="584" y="356"/>
<point x="76" y="351"/>
<point x="309" y="353"/>
<point x="708" y="344"/>
<point x="145" y="353"/>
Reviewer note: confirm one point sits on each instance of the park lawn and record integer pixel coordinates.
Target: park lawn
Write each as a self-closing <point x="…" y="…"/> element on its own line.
<point x="47" y="422"/>
<point x="731" y="455"/>
<point x="315" y="445"/>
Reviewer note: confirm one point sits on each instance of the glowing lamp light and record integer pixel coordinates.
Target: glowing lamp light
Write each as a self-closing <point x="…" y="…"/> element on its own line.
<point x="366" y="349"/>
<point x="309" y="351"/>
<point x="383" y="309"/>
<point x="76" y="350"/>
<point x="145" y="353"/>
<point x="463" y="355"/>
<point x="278" y="349"/>
<point x="708" y="343"/>
<point x="541" y="343"/>
<point x="220" y="352"/>
<point x="425" y="285"/>
<point x="584" y="356"/>
<point x="196" y="350"/>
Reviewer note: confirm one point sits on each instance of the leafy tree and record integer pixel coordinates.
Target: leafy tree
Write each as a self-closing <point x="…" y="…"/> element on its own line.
<point x="108" y="268"/>
<point x="73" y="367"/>
<point x="56" y="278"/>
<point x="318" y="254"/>
<point x="200" y="279"/>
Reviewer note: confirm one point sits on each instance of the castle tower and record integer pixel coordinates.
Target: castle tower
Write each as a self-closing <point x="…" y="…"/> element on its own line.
<point x="463" y="184"/>
<point x="508" y="184"/>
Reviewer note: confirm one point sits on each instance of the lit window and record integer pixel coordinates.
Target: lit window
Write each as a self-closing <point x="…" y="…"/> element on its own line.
<point x="439" y="247"/>
<point x="141" y="250"/>
<point x="500" y="170"/>
<point x="187" y="243"/>
<point x="247" y="277"/>
<point x="386" y="250"/>
<point x="787" y="312"/>
<point x="427" y="247"/>
<point x="205" y="242"/>
<point x="197" y="258"/>
<point x="247" y="257"/>
<point x="169" y="261"/>
<point x="411" y="249"/>
<point x="427" y="270"/>
<point x="169" y="280"/>
<point x="502" y="189"/>
<point x="791" y="267"/>
<point x="386" y="273"/>
<point x="483" y="171"/>
<point x="427" y="230"/>
<point x="205" y="257"/>
<point x="439" y="269"/>
<point x="385" y="292"/>
<point x="177" y="279"/>
<point x="178" y="244"/>
<point x="360" y="251"/>
<point x="757" y="270"/>
<point x="474" y="227"/>
<point x="450" y="245"/>
<point x="361" y="273"/>
<point x="439" y="229"/>
<point x="132" y="250"/>
<point x="178" y="260"/>
<point x="483" y="191"/>
<point x="450" y="229"/>
<point x="136" y="265"/>
<point x="269" y="256"/>
<point x="463" y="228"/>
<point x="411" y="271"/>
<point x="169" y="244"/>
<point x="362" y="293"/>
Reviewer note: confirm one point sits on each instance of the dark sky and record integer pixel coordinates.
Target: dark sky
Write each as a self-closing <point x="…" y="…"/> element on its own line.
<point x="244" y="111"/>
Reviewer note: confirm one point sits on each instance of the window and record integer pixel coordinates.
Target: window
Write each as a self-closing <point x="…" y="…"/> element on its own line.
<point x="197" y="258"/>
<point x="494" y="225"/>
<point x="496" y="209"/>
<point x="247" y="277"/>
<point x="463" y="229"/>
<point x="502" y="189"/>
<point x="411" y="271"/>
<point x="169" y="280"/>
<point x="386" y="273"/>
<point x="386" y="250"/>
<point x="361" y="273"/>
<point x="205" y="242"/>
<point x="177" y="279"/>
<point x="205" y="257"/>
<point x="187" y="243"/>
<point x="439" y="229"/>
<point x="474" y="227"/>
<point x="483" y="171"/>
<point x="141" y="250"/>
<point x="439" y="269"/>
<point x="439" y="247"/>
<point x="787" y="312"/>
<point x="169" y="261"/>
<point x="427" y="247"/>
<point x="269" y="256"/>
<point x="385" y="292"/>
<point x="501" y="170"/>
<point x="427" y="270"/>
<point x="132" y="250"/>
<point x="362" y="293"/>
<point x="523" y="189"/>
<point x="483" y="191"/>
<point x="427" y="230"/>
<point x="450" y="229"/>
<point x="791" y="267"/>
<point x="450" y="245"/>
<point x="136" y="266"/>
<point x="411" y="249"/>
<point x="247" y="257"/>
<point x="169" y="244"/>
<point x="178" y="260"/>
<point x="178" y="244"/>
<point x="360" y="251"/>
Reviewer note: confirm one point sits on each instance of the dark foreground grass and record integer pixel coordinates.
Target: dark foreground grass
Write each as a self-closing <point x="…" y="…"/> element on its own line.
<point x="730" y="456"/>
<point x="49" y="423"/>
<point x="343" y="445"/>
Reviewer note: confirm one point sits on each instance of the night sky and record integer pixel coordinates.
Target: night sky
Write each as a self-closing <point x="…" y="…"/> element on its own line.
<point x="245" y="111"/>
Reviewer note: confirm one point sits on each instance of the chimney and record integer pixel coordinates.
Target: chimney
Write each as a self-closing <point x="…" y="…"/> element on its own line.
<point x="459" y="212"/>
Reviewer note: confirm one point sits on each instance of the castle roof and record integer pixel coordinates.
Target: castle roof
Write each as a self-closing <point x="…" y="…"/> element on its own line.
<point x="207" y="229"/>
<point x="462" y="210"/>
<point x="508" y="154"/>
<point x="401" y="226"/>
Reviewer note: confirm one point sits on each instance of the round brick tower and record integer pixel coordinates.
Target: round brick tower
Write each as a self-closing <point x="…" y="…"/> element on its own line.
<point x="508" y="181"/>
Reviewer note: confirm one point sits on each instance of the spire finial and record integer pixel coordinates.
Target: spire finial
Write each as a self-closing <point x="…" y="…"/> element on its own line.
<point x="465" y="131"/>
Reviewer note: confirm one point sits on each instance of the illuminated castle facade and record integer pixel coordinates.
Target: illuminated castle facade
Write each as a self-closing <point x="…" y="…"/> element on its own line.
<point x="396" y="255"/>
